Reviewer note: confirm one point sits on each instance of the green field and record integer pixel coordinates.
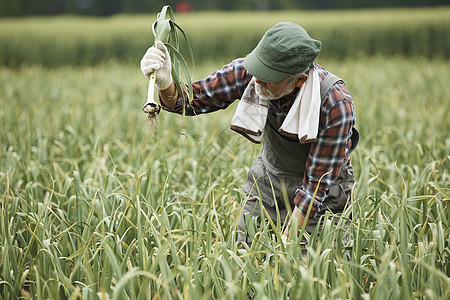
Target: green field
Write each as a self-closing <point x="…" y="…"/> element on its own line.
<point x="95" y="207"/>
<point x="71" y="40"/>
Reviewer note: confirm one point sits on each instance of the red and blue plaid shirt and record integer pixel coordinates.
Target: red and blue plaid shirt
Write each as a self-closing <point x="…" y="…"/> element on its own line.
<point x="331" y="148"/>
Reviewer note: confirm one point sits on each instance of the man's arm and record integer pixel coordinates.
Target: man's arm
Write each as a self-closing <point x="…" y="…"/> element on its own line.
<point x="169" y="96"/>
<point x="216" y="91"/>
<point x="328" y="153"/>
<point x="300" y="221"/>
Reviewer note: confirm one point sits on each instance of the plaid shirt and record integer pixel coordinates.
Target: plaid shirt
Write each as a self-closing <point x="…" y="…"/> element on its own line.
<point x="332" y="147"/>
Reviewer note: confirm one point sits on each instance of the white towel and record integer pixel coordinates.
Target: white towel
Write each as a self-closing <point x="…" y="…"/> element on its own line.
<point x="301" y="121"/>
<point x="251" y="114"/>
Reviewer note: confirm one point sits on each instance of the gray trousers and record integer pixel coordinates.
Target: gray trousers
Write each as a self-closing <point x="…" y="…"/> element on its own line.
<point x="338" y="198"/>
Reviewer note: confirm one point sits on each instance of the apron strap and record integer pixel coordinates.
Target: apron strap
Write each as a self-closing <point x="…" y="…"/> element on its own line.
<point x="326" y="84"/>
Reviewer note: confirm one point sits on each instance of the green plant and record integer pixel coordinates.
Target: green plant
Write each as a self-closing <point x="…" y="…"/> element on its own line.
<point x="165" y="29"/>
<point x="92" y="207"/>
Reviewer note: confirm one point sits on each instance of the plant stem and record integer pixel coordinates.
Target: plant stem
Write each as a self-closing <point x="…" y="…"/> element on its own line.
<point x="151" y="107"/>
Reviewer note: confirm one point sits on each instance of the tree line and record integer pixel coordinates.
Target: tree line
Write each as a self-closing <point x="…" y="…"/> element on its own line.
<point x="18" y="8"/>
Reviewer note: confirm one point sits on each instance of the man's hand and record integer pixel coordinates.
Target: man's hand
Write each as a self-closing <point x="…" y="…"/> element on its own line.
<point x="300" y="220"/>
<point x="157" y="58"/>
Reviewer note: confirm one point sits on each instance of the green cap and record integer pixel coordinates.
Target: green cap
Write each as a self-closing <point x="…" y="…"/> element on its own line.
<point x="284" y="50"/>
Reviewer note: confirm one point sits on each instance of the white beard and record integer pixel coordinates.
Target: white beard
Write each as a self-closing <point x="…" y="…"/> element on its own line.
<point x="265" y="94"/>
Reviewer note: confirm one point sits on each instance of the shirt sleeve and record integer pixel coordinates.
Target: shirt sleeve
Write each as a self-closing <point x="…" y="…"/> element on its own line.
<point x="217" y="91"/>
<point x="329" y="151"/>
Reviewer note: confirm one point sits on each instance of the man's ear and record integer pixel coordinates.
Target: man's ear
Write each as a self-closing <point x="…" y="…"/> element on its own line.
<point x="301" y="80"/>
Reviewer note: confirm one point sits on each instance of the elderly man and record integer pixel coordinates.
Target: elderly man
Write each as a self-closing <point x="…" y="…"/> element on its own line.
<point x="303" y="115"/>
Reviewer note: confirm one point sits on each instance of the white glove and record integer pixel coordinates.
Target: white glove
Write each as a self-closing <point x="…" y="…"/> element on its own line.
<point x="157" y="58"/>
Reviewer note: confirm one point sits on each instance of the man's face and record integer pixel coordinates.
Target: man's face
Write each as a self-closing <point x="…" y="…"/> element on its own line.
<point x="276" y="90"/>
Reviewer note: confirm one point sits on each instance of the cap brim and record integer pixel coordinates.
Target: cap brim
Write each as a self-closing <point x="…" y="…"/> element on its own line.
<point x="261" y="71"/>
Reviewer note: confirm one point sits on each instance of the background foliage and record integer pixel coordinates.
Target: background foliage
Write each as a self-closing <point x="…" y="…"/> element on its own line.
<point x="98" y="7"/>
<point x="347" y="34"/>
<point x="94" y="207"/>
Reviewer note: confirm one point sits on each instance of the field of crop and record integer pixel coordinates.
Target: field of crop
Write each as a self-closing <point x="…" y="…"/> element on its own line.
<point x="87" y="41"/>
<point x="95" y="207"/>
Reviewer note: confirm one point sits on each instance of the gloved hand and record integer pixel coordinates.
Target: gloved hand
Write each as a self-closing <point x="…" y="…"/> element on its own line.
<point x="157" y="58"/>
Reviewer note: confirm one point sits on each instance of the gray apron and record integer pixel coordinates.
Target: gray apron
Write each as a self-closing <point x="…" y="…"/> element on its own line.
<point x="278" y="172"/>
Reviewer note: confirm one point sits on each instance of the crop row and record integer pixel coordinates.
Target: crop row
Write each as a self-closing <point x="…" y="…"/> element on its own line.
<point x="69" y="40"/>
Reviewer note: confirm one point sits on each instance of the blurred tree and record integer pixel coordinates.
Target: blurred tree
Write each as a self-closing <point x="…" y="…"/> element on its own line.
<point x="13" y="8"/>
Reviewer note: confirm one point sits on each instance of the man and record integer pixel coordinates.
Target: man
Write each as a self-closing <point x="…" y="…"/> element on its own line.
<point x="303" y="115"/>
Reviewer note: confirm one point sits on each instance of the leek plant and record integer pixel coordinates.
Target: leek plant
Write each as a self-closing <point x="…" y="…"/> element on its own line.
<point x="166" y="30"/>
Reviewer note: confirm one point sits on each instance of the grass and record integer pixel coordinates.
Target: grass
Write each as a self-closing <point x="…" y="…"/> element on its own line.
<point x="94" y="207"/>
<point x="78" y="41"/>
